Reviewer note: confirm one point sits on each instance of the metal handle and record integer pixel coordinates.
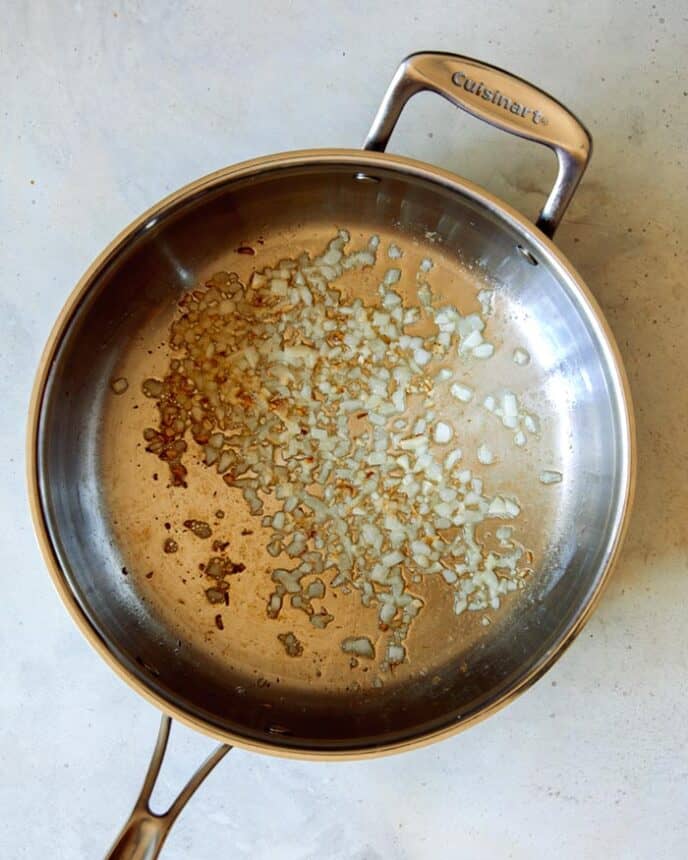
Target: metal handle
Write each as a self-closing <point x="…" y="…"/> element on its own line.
<point x="504" y="101"/>
<point x="145" y="831"/>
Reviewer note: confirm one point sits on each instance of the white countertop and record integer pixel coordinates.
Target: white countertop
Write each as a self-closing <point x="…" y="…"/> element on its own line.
<point x="105" y="108"/>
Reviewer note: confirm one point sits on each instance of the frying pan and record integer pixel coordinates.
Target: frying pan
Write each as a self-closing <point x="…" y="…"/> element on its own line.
<point x="99" y="512"/>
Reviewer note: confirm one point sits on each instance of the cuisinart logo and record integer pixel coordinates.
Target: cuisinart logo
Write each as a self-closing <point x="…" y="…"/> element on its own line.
<point x="497" y="98"/>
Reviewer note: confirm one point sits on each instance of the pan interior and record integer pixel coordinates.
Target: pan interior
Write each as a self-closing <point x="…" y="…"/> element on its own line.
<point x="105" y="512"/>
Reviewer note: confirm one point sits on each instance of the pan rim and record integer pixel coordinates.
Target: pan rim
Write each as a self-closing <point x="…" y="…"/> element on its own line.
<point x="405" y="166"/>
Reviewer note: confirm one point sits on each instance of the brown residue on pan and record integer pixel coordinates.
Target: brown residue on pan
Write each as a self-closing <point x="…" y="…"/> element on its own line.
<point x="216" y="594"/>
<point x="198" y="527"/>
<point x="220" y="545"/>
<point x="291" y="644"/>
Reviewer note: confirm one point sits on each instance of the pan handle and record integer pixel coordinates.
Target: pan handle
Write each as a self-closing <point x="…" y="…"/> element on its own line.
<point x="504" y="101"/>
<point x="145" y="831"/>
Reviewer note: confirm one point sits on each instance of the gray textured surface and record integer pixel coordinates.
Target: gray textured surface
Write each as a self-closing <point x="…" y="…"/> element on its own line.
<point x="105" y="108"/>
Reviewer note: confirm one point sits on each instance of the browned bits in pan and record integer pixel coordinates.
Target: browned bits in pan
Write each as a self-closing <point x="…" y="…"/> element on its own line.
<point x="291" y="644"/>
<point x="215" y="594"/>
<point x="215" y="567"/>
<point x="219" y="567"/>
<point x="220" y="545"/>
<point x="153" y="388"/>
<point x="219" y="623"/>
<point x="170" y="546"/>
<point x="262" y="385"/>
<point x="119" y="385"/>
<point x="198" y="527"/>
<point x="173" y="395"/>
<point x="321" y="619"/>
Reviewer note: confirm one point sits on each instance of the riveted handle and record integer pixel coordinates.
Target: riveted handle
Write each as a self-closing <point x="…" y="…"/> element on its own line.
<point x="503" y="100"/>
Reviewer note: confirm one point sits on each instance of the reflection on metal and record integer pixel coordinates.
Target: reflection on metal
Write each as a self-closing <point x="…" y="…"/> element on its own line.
<point x="365" y="177"/>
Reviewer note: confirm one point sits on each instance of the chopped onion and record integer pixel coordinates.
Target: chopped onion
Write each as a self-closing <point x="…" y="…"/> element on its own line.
<point x="512" y="416"/>
<point x="471" y="342"/>
<point x="395" y="654"/>
<point x="485" y="455"/>
<point x="509" y="404"/>
<point x="452" y="459"/>
<point x="358" y="646"/>
<point x="461" y="392"/>
<point x="304" y="398"/>
<point x="486" y="299"/>
<point x="443" y="433"/>
<point x="484" y="350"/>
<point x="421" y="357"/>
<point x="530" y="423"/>
<point x="424" y="295"/>
<point x="512" y="509"/>
<point x="119" y="385"/>
<point x="521" y="356"/>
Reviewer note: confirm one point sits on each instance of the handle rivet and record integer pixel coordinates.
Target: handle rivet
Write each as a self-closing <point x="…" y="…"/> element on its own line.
<point x="365" y="177"/>
<point x="528" y="256"/>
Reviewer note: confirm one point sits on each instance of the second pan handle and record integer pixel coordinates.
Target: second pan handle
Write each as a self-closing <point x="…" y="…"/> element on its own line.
<point x="145" y="831"/>
<point x="503" y="100"/>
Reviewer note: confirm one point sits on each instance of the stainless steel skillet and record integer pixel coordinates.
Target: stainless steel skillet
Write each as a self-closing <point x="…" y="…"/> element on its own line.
<point x="97" y="511"/>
